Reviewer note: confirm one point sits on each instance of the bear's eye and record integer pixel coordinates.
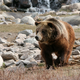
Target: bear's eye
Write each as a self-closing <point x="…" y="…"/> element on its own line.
<point x="43" y="31"/>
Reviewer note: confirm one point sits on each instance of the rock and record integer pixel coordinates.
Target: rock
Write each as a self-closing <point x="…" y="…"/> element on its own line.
<point x="2" y="17"/>
<point x="26" y="62"/>
<point x="8" y="2"/>
<point x="20" y="39"/>
<point x="78" y="48"/>
<point x="76" y="52"/>
<point x="2" y="41"/>
<point x="26" y="55"/>
<point x="1" y="62"/>
<point x="34" y="14"/>
<point x="21" y="65"/>
<point x="31" y="9"/>
<point x="61" y="13"/>
<point x="9" y="18"/>
<point x="7" y="22"/>
<point x="28" y="20"/>
<point x="74" y="20"/>
<point x="30" y="40"/>
<point x="9" y="55"/>
<point x="36" y="44"/>
<point x="47" y="17"/>
<point x="29" y="64"/>
<point x="9" y="62"/>
<point x="77" y="42"/>
<point x="17" y="21"/>
<point x="27" y="32"/>
<point x="4" y="7"/>
<point x="1" y="2"/>
<point x="71" y="6"/>
<point x="76" y="57"/>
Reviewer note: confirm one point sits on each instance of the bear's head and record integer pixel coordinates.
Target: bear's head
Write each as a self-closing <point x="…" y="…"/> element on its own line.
<point x="46" y="31"/>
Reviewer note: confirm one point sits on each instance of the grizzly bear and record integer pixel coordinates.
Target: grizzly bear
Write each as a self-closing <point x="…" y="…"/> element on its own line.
<point x="55" y="36"/>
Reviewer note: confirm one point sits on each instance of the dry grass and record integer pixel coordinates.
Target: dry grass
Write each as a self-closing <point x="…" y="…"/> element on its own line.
<point x="40" y="73"/>
<point x="15" y="27"/>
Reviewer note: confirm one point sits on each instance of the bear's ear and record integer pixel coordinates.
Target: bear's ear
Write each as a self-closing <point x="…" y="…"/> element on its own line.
<point x="50" y="24"/>
<point x="37" y="23"/>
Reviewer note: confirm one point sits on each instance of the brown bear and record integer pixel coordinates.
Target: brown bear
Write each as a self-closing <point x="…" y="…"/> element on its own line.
<point x="55" y="36"/>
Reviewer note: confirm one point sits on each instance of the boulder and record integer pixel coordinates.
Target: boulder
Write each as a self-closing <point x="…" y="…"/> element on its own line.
<point x="1" y="61"/>
<point x="9" y="55"/>
<point x="28" y="20"/>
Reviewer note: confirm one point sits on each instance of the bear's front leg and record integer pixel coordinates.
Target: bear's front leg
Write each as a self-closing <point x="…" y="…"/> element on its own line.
<point x="63" y="58"/>
<point x="48" y="59"/>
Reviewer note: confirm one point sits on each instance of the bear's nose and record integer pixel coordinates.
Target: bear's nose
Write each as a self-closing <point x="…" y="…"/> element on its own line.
<point x="36" y="37"/>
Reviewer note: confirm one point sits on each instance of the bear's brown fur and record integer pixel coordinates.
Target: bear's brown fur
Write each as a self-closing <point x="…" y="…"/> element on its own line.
<point x="55" y="36"/>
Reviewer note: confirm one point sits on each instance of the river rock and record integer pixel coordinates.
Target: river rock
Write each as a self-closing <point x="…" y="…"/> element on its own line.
<point x="28" y="20"/>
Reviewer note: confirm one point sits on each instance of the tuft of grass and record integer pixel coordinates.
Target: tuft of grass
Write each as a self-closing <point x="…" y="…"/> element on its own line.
<point x="16" y="27"/>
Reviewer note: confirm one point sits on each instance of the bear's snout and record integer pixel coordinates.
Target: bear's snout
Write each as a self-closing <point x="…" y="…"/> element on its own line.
<point x="37" y="38"/>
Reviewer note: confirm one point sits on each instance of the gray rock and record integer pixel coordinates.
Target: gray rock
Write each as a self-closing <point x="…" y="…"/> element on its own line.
<point x="9" y="62"/>
<point x="20" y="39"/>
<point x="26" y="55"/>
<point x="9" y="55"/>
<point x="30" y="40"/>
<point x="1" y="61"/>
<point x="28" y="20"/>
<point x="31" y="9"/>
<point x="3" y="40"/>
<point x="47" y="17"/>
<point x="74" y="20"/>
<point x="76" y="52"/>
<point x="17" y="21"/>
<point x="27" y="32"/>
